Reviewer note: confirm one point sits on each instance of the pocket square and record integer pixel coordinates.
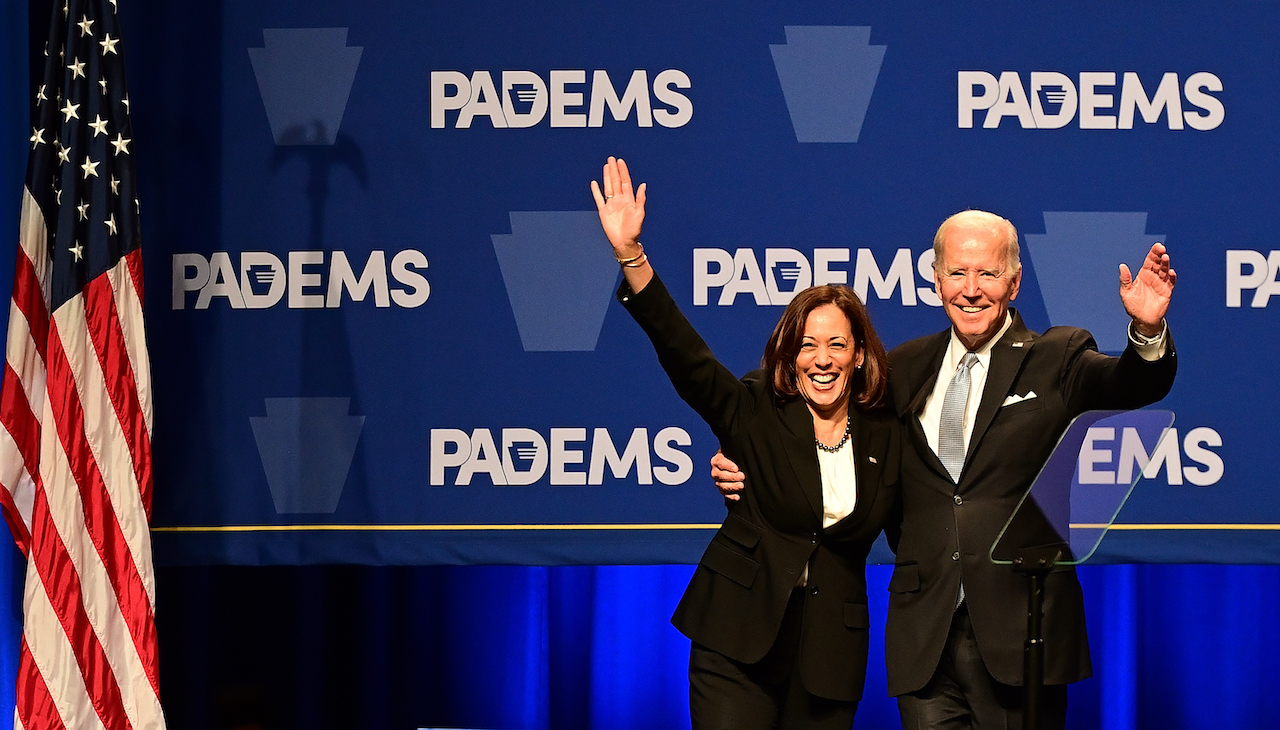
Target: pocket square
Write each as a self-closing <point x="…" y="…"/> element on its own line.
<point x="1018" y="398"/>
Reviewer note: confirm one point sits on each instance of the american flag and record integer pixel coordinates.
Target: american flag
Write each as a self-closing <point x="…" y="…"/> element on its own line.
<point x="75" y="453"/>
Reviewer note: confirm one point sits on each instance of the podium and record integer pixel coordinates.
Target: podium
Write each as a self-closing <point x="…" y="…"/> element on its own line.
<point x="1063" y="516"/>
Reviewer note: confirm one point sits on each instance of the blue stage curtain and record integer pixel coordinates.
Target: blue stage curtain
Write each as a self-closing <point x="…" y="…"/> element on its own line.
<point x="12" y="569"/>
<point x="590" y="647"/>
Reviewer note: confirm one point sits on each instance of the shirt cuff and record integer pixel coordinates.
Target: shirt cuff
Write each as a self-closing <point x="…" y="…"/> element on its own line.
<point x="1149" y="348"/>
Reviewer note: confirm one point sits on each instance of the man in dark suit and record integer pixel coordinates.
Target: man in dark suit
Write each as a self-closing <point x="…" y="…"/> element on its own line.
<point x="983" y="405"/>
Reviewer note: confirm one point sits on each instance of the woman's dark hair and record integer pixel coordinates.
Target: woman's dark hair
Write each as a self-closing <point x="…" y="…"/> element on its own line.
<point x="868" y="385"/>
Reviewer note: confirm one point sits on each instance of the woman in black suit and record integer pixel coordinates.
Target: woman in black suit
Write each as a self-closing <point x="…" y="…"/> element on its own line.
<point x="777" y="607"/>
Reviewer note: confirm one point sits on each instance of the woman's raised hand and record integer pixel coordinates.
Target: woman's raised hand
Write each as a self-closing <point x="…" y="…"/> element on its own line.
<point x="621" y="208"/>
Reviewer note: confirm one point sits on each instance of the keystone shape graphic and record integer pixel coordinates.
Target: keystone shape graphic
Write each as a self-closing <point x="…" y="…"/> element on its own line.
<point x="306" y="446"/>
<point x="827" y="74"/>
<point x="559" y="276"/>
<point x="1077" y="261"/>
<point x="305" y="77"/>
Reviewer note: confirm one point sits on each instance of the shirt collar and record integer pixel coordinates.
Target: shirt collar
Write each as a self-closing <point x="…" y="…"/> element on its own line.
<point x="956" y="348"/>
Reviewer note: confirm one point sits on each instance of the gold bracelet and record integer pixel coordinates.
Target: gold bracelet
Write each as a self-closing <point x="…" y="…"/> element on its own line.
<point x="636" y="262"/>
<point x="631" y="261"/>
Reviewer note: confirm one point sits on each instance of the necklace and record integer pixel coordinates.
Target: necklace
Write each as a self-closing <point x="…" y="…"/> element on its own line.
<point x="848" y="424"/>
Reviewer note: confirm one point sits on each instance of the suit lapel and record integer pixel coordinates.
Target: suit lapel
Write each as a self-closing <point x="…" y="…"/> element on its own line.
<point x="797" y="443"/>
<point x="868" y="442"/>
<point x="920" y="379"/>
<point x="1006" y="360"/>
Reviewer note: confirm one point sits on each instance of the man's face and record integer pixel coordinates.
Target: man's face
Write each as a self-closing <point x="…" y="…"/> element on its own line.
<point x="975" y="283"/>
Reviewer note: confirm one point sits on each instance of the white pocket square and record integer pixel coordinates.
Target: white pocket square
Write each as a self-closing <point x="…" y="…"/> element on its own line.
<point x="1018" y="398"/>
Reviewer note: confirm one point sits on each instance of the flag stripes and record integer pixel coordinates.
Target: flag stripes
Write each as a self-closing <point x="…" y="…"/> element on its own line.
<point x="75" y="402"/>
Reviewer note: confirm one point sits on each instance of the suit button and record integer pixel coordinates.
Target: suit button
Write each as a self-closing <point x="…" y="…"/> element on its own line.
<point x="955" y="555"/>
<point x="957" y="499"/>
<point x="813" y="591"/>
<point x="814" y="539"/>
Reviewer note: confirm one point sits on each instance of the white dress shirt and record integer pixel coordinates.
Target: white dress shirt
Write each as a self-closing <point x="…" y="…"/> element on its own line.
<point x="931" y="416"/>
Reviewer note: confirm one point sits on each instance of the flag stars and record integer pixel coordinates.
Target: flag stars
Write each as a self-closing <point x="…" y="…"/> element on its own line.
<point x="77" y="251"/>
<point x="69" y="111"/>
<point x="115" y="185"/>
<point x="86" y="26"/>
<point x="90" y="167"/>
<point x="108" y="44"/>
<point x="103" y="84"/>
<point x="83" y="209"/>
<point x="121" y="144"/>
<point x="37" y="138"/>
<point x="64" y="153"/>
<point x="76" y="67"/>
<point x="40" y="97"/>
<point x="110" y="222"/>
<point x="99" y="126"/>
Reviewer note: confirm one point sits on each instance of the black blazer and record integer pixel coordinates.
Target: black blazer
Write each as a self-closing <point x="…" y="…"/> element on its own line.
<point x="948" y="529"/>
<point x="735" y="601"/>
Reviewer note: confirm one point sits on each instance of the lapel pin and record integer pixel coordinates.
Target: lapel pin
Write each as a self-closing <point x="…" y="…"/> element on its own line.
<point x="873" y="460"/>
<point x="1017" y="344"/>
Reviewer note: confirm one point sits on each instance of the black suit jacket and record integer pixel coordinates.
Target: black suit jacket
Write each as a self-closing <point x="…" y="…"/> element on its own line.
<point x="739" y="591"/>
<point x="948" y="529"/>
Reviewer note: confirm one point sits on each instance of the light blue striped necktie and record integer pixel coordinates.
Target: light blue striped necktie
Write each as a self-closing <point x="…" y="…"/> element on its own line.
<point x="951" y="425"/>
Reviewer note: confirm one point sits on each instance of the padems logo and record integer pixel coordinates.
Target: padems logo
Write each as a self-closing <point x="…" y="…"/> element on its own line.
<point x="1254" y="271"/>
<point x="1099" y="100"/>
<point x="526" y="99"/>
<point x="519" y="457"/>
<point x="721" y="276"/>
<point x="304" y="280"/>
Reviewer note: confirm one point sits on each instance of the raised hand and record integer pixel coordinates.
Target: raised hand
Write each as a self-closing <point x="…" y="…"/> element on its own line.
<point x="1146" y="296"/>
<point x="621" y="209"/>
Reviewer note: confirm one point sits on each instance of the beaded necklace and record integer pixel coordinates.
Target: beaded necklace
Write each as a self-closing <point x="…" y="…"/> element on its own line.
<point x="848" y="426"/>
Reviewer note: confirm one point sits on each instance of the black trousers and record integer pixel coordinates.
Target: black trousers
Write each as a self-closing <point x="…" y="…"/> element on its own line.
<point x="962" y="694"/>
<point x="768" y="695"/>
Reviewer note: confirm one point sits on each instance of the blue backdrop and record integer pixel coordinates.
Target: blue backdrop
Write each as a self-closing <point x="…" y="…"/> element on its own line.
<point x="283" y="148"/>
<point x="382" y="308"/>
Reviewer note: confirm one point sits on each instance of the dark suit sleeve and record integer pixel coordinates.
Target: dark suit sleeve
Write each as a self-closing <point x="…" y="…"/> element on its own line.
<point x="1097" y="381"/>
<point x="893" y="524"/>
<point x="720" y="398"/>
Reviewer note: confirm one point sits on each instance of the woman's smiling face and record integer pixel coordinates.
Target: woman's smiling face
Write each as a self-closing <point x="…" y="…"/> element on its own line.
<point x="827" y="360"/>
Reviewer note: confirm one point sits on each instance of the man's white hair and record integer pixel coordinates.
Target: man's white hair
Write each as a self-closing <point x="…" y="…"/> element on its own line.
<point x="980" y="219"/>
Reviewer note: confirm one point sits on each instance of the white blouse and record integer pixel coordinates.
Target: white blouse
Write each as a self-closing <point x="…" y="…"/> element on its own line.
<point x="839" y="490"/>
<point x="839" y="483"/>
